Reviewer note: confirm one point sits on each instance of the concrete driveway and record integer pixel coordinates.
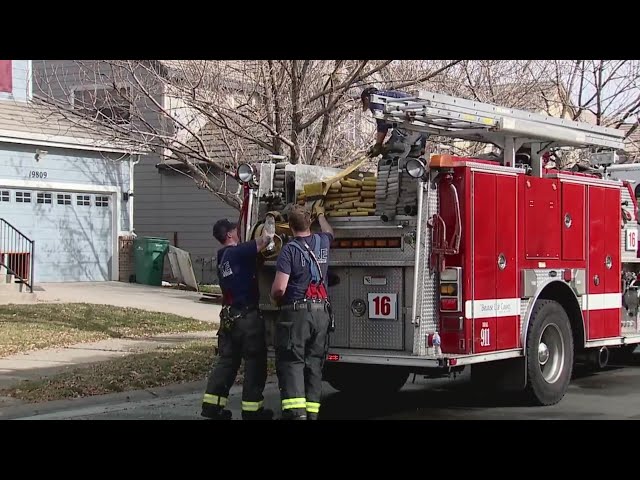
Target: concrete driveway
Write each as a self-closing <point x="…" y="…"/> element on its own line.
<point x="120" y="294"/>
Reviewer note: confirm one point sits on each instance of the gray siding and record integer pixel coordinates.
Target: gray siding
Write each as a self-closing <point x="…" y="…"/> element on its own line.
<point x="57" y="79"/>
<point x="66" y="166"/>
<point x="169" y="205"/>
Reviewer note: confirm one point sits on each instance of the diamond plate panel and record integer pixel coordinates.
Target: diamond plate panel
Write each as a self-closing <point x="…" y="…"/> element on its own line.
<point x="409" y="331"/>
<point x="265" y="178"/>
<point x="405" y="253"/>
<point x="626" y="256"/>
<point x="426" y="302"/>
<point x="524" y="307"/>
<point x="383" y="334"/>
<point x="339" y="296"/>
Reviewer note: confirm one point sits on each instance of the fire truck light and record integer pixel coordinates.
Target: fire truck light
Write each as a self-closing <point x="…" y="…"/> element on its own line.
<point x="245" y="172"/>
<point x="449" y="304"/>
<point x="415" y="168"/>
<point x="449" y="289"/>
<point x="453" y="362"/>
<point x="332" y="357"/>
<point x="567" y="275"/>
<point x="449" y="275"/>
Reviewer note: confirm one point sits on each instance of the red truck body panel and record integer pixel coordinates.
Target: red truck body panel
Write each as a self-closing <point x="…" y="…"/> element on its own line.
<point x="512" y="222"/>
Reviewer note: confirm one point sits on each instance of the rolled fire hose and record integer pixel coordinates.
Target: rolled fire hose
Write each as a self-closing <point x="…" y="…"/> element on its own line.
<point x="277" y="239"/>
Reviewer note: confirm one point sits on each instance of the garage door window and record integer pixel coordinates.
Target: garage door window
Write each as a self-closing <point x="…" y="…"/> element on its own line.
<point x="83" y="200"/>
<point x="44" y="198"/>
<point x="102" y="201"/>
<point x="64" y="199"/>
<point x="4" y="196"/>
<point x="23" y="197"/>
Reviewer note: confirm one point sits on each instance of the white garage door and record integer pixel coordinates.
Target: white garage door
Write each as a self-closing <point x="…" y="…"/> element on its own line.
<point x="73" y="232"/>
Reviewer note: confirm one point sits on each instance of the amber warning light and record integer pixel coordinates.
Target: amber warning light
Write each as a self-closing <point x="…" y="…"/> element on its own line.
<point x="367" y="243"/>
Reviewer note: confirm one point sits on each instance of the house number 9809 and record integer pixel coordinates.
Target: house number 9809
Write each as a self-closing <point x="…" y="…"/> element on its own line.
<point x="37" y="174"/>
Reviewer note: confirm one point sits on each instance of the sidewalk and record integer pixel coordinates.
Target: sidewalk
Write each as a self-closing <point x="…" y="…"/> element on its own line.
<point x="47" y="362"/>
<point x="145" y="297"/>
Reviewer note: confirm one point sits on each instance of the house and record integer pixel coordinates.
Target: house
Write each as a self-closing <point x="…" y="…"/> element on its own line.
<point x="64" y="189"/>
<point x="168" y="202"/>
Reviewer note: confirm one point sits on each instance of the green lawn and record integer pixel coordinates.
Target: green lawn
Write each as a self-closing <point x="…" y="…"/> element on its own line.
<point x="188" y="362"/>
<point x="31" y="327"/>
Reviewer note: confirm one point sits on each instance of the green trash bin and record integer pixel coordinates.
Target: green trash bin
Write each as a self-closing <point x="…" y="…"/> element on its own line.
<point x="149" y="255"/>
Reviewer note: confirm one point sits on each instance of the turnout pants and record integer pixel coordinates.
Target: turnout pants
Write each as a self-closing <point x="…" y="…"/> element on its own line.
<point x="301" y="346"/>
<point x="245" y="340"/>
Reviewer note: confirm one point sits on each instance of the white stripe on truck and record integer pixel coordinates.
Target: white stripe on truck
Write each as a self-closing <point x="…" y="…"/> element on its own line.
<point x="601" y="301"/>
<point x="497" y="307"/>
<point x="508" y="307"/>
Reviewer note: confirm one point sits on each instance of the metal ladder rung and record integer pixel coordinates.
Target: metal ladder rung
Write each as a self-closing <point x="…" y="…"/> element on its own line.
<point x="487" y="108"/>
<point x="451" y="116"/>
<point x="427" y="112"/>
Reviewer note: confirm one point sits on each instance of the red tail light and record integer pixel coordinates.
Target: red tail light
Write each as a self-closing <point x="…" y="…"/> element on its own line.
<point x="393" y="242"/>
<point x="450" y="289"/>
<point x="449" y="304"/>
<point x="333" y="357"/>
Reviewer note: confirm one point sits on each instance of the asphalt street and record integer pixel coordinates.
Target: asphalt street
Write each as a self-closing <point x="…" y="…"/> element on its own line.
<point x="613" y="393"/>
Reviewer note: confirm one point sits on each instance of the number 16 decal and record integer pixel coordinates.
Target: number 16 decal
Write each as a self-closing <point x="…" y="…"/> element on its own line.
<point x="383" y="305"/>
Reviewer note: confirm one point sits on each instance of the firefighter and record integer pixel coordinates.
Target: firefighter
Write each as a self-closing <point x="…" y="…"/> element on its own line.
<point x="382" y="127"/>
<point x="241" y="334"/>
<point x="302" y="332"/>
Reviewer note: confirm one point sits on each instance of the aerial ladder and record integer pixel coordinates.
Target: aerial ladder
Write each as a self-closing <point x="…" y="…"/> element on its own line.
<point x="509" y="129"/>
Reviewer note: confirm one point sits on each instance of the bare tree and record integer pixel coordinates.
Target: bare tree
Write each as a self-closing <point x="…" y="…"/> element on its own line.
<point x="203" y="117"/>
<point x="603" y="92"/>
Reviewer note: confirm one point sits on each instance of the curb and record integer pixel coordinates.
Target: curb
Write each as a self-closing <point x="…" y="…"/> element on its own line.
<point x="54" y="406"/>
<point x="33" y="409"/>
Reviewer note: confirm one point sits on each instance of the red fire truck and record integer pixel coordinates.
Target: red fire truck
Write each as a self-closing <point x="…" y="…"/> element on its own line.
<point x="513" y="269"/>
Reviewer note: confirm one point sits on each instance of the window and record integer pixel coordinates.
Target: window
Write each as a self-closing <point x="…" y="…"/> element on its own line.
<point x="23" y="197"/>
<point x="64" y="198"/>
<point x="44" y="198"/>
<point x="104" y="103"/>
<point x="5" y="196"/>
<point x="83" y="200"/>
<point x="6" y="76"/>
<point x="102" y="201"/>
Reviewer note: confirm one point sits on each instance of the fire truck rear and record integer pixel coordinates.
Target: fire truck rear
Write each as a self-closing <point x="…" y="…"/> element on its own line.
<point x="506" y="266"/>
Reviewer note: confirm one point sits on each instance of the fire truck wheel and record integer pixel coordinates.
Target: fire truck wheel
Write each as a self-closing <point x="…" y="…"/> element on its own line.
<point x="549" y="353"/>
<point x="365" y="379"/>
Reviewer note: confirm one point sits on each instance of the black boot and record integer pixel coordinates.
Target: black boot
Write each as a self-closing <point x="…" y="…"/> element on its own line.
<point x="215" y="412"/>
<point x="262" y="414"/>
<point x="289" y="415"/>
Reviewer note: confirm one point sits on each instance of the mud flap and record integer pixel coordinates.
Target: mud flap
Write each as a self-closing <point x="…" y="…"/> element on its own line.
<point x="505" y="375"/>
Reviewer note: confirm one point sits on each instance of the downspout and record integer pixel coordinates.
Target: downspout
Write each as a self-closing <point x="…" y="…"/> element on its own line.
<point x="132" y="163"/>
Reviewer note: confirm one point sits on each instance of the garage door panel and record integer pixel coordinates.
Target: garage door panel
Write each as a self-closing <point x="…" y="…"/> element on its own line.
<point x="73" y="242"/>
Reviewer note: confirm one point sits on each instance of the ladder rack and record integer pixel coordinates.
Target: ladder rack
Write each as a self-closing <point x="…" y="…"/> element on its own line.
<point x="508" y="128"/>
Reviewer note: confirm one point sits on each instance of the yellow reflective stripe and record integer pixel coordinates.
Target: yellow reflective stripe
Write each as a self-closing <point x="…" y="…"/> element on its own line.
<point x="214" y="399"/>
<point x="313" y="407"/>
<point x="289" y="403"/>
<point x="251" y="406"/>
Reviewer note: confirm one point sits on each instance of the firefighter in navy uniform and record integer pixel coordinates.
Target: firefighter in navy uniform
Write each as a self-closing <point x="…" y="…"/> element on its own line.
<point x="302" y="332"/>
<point x="242" y="333"/>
